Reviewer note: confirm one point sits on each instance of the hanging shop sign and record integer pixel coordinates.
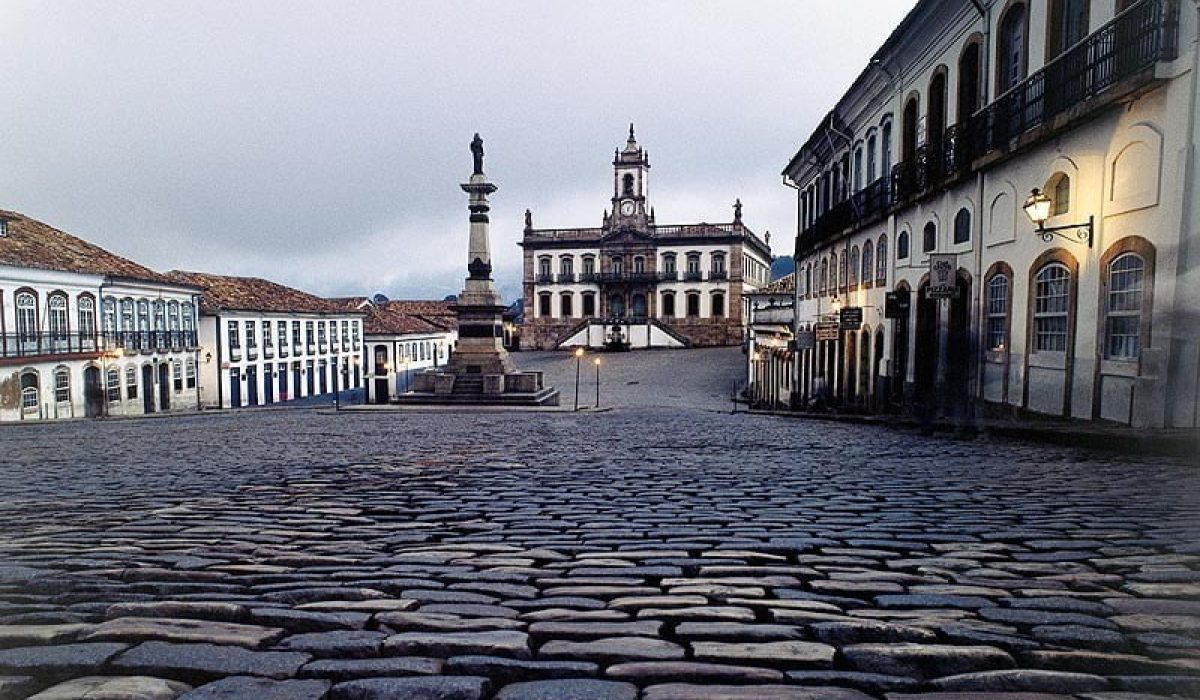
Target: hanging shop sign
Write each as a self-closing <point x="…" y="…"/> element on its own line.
<point x="828" y="331"/>
<point x="850" y="318"/>
<point x="942" y="273"/>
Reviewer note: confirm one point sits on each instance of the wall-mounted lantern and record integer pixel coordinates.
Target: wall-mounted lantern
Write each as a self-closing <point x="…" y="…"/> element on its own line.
<point x="1037" y="208"/>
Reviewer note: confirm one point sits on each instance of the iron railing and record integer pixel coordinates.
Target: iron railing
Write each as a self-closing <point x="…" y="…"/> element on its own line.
<point x="54" y="344"/>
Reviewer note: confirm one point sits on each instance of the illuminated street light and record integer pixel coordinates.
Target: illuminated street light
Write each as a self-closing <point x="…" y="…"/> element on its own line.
<point x="1037" y="208"/>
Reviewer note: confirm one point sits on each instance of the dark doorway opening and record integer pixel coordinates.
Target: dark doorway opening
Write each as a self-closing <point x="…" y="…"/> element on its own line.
<point x="147" y="389"/>
<point x="93" y="393"/>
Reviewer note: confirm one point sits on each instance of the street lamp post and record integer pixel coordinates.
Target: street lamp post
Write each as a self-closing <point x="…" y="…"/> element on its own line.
<point x="597" y="362"/>
<point x="578" y="363"/>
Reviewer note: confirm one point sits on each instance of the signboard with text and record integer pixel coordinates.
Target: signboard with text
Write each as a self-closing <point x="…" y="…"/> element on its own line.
<point x="850" y="318"/>
<point x="943" y="270"/>
<point x="805" y="340"/>
<point x="828" y="331"/>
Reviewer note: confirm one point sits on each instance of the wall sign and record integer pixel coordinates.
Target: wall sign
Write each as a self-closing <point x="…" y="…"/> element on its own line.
<point x="942" y="276"/>
<point x="850" y="318"/>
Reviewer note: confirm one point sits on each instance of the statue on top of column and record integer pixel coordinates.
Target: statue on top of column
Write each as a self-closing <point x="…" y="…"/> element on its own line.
<point x="477" y="153"/>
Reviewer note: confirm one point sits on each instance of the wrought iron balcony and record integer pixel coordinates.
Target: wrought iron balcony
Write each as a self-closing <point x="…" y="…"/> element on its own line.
<point x="627" y="277"/>
<point x="566" y="278"/>
<point x="544" y="278"/>
<point x="718" y="275"/>
<point x="693" y="276"/>
<point x="672" y="276"/>
<point x="29" y="345"/>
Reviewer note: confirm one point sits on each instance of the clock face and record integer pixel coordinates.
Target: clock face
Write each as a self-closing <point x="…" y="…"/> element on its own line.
<point x="627" y="207"/>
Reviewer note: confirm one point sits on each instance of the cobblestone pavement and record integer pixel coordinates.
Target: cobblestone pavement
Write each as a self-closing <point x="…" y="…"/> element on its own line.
<point x="645" y="552"/>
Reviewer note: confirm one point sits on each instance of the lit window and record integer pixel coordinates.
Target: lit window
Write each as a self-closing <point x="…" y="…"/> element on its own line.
<point x="1123" y="307"/>
<point x="1061" y="198"/>
<point x="1052" y="302"/>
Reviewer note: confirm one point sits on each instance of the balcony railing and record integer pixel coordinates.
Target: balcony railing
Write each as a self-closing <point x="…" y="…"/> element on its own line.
<point x="589" y="277"/>
<point x="718" y="275"/>
<point x="52" y="344"/>
<point x="566" y="278"/>
<point x="627" y="277"/>
<point x="1129" y="45"/>
<point x="544" y="278"/>
<point x="693" y="276"/>
<point x="672" y="276"/>
<point x="1126" y="48"/>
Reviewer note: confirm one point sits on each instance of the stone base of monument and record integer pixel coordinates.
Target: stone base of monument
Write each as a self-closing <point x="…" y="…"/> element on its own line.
<point x="512" y="389"/>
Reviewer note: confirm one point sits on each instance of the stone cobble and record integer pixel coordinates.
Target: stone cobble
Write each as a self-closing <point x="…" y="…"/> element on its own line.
<point x="646" y="552"/>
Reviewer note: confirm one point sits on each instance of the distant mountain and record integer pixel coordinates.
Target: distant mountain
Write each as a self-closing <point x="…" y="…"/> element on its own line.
<point x="784" y="265"/>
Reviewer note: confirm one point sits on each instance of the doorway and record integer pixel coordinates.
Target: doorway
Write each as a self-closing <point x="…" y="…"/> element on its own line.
<point x="93" y="393"/>
<point x="268" y="385"/>
<point x="164" y="387"/>
<point x="147" y="389"/>
<point x="927" y="345"/>
<point x="252" y="386"/>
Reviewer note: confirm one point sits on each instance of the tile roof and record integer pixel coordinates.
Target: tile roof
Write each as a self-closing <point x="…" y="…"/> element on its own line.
<point x="31" y="243"/>
<point x="783" y="285"/>
<point x="404" y="317"/>
<point x="227" y="293"/>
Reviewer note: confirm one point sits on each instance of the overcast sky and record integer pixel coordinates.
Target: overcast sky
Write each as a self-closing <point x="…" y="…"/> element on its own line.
<point x="321" y="144"/>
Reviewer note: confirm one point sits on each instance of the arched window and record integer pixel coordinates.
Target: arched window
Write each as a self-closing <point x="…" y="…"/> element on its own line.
<point x="62" y="385"/>
<point x="668" y="304"/>
<point x="902" y="246"/>
<point x="868" y="262"/>
<point x="855" y="259"/>
<point x="962" y="226"/>
<point x="1068" y="24"/>
<point x="1013" y="46"/>
<point x="885" y="148"/>
<point x="87" y="317"/>
<point x="669" y="264"/>
<point x="998" y="297"/>
<point x="1123" y="307"/>
<point x="718" y="305"/>
<point x="188" y="314"/>
<point x="566" y="266"/>
<point x="627" y="185"/>
<point x="718" y="263"/>
<point x="109" y="313"/>
<point x="57" y="306"/>
<point x="143" y="309"/>
<point x="639" y="264"/>
<point x="544" y="269"/>
<point x="929" y="239"/>
<point x="936" y="119"/>
<point x="968" y="81"/>
<point x="824" y="276"/>
<point x="173" y="316"/>
<point x="589" y="264"/>
<point x="872" y="159"/>
<point x="618" y="264"/>
<point x="693" y="264"/>
<point x="908" y="146"/>
<point x="693" y="304"/>
<point x="127" y="315"/>
<point x="808" y="280"/>
<point x="567" y="305"/>
<point x="1052" y="308"/>
<point x="544" y="305"/>
<point x="589" y="304"/>
<point x="27" y="316"/>
<point x="833" y="272"/>
<point x="843" y="270"/>
<point x="881" y="263"/>
<point x="616" y="306"/>
<point x="858" y="169"/>
<point x="30" y="399"/>
<point x="1059" y="190"/>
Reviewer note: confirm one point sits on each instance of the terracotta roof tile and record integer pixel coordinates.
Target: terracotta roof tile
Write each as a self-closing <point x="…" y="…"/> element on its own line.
<point x="226" y="293"/>
<point x="31" y="243"/>
<point x="404" y="317"/>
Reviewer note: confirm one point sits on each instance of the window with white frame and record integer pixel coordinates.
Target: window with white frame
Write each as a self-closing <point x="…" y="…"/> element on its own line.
<point x="251" y="335"/>
<point x="1052" y="308"/>
<point x="131" y="387"/>
<point x="998" y="288"/>
<point x="235" y="342"/>
<point x="29" y="391"/>
<point x="62" y="385"/>
<point x="173" y="323"/>
<point x="268" y="341"/>
<point x="160" y="315"/>
<point x="191" y="373"/>
<point x="27" y="317"/>
<point x="177" y="375"/>
<point x="87" y="317"/>
<point x="1123" y="307"/>
<point x="113" y="381"/>
<point x="57" y="305"/>
<point x="109" y="312"/>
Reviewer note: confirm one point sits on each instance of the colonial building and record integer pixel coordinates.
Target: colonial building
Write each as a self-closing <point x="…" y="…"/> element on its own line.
<point x="633" y="280"/>
<point x="1005" y="201"/>
<point x="86" y="333"/>
<point x="401" y="338"/>
<point x="770" y="343"/>
<point x="264" y="343"/>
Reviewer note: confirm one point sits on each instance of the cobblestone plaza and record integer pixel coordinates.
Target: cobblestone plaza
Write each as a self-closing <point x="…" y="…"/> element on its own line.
<point x="664" y="549"/>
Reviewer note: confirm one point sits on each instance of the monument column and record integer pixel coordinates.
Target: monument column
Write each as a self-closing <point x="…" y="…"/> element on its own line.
<point x="479" y="308"/>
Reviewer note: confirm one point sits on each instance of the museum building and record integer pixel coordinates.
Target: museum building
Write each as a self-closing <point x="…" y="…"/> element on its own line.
<point x="637" y="282"/>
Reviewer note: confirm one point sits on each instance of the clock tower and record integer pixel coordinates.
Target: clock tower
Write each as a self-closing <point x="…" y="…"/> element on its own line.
<point x="631" y="170"/>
